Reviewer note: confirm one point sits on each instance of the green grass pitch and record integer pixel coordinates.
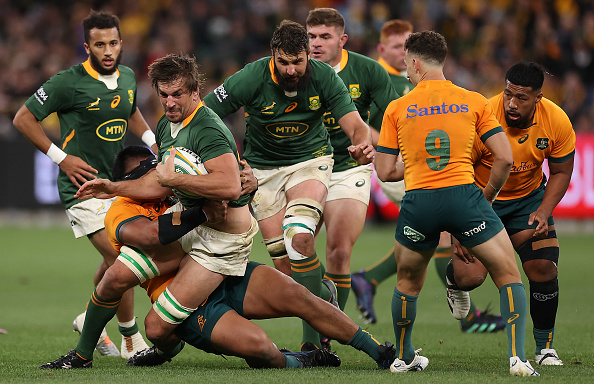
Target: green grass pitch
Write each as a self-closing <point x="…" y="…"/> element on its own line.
<point x="46" y="280"/>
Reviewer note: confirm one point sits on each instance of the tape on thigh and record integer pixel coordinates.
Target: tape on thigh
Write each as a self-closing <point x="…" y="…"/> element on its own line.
<point x="170" y="310"/>
<point x="545" y="249"/>
<point x="276" y="247"/>
<point x="143" y="266"/>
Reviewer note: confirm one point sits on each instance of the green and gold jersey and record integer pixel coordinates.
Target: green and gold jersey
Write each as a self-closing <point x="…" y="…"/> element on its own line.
<point x="282" y="129"/>
<point x="93" y="118"/>
<point x="368" y="84"/>
<point x="203" y="133"/>
<point x="401" y="85"/>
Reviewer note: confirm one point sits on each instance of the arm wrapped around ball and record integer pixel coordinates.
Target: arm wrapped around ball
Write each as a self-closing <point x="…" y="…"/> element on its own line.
<point x="174" y="225"/>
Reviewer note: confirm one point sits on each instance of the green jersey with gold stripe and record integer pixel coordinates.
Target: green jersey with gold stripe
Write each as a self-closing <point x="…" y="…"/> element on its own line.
<point x="282" y="129"/>
<point x="401" y="85"/>
<point x="368" y="84"/>
<point x="93" y="111"/>
<point x="203" y="133"/>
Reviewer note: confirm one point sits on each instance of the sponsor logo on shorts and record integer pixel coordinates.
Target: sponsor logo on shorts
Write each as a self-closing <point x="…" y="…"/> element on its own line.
<point x="112" y="130"/>
<point x="73" y="223"/>
<point x="523" y="138"/>
<point x="221" y="93"/>
<point x="287" y="129"/>
<point x="475" y="230"/>
<point x="413" y="234"/>
<point x="543" y="297"/>
<point x="360" y="183"/>
<point x="201" y="321"/>
<point x="41" y="96"/>
<point x="354" y="91"/>
<point x="514" y="316"/>
<point x="323" y="167"/>
<point x="314" y="103"/>
<point x="542" y="143"/>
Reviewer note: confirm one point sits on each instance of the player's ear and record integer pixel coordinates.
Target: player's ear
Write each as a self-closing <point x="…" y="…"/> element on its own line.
<point x="87" y="48"/>
<point x="538" y="97"/>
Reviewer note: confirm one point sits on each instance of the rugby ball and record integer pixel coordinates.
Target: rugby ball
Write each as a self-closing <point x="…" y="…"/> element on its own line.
<point x="187" y="162"/>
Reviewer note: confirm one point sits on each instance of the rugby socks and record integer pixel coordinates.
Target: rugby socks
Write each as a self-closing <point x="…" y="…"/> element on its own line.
<point x="512" y="300"/>
<point x="128" y="328"/>
<point x="170" y="353"/>
<point x="308" y="273"/>
<point x="363" y="341"/>
<point x="544" y="301"/>
<point x="404" y="312"/>
<point x="291" y="361"/>
<point x="381" y="270"/>
<point x="343" y="287"/>
<point x="99" y="312"/>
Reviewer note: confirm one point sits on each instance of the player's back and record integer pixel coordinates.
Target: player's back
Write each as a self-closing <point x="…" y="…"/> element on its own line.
<point x="434" y="127"/>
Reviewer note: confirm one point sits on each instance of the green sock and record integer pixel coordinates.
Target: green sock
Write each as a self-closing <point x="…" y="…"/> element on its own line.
<point x="128" y="331"/>
<point x="308" y="273"/>
<point x="99" y="312"/>
<point x="291" y="361"/>
<point x="381" y="270"/>
<point x="343" y="287"/>
<point x="543" y="338"/>
<point x="404" y="312"/>
<point x="363" y="341"/>
<point x="170" y="353"/>
<point x="512" y="299"/>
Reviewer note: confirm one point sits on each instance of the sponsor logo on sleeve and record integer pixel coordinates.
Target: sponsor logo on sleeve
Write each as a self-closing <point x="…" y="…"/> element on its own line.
<point x="41" y="96"/>
<point x="221" y="93"/>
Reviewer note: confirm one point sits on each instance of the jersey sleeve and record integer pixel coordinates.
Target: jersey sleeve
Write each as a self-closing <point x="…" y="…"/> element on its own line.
<point x="335" y="93"/>
<point x="388" y="140"/>
<point x="54" y="95"/>
<point x="212" y="142"/>
<point x="383" y="93"/>
<point x="228" y="97"/>
<point x="564" y="144"/>
<point x="487" y="124"/>
<point x="119" y="213"/>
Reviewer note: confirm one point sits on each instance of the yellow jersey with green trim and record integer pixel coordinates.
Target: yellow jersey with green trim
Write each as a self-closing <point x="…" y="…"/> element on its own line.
<point x="550" y="136"/>
<point x="434" y="128"/>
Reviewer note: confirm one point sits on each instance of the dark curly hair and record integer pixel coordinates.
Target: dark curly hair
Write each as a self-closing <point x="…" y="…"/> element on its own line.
<point x="430" y="46"/>
<point x="100" y="20"/>
<point x="290" y="37"/>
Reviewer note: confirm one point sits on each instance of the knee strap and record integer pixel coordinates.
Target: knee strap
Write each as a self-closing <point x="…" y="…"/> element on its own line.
<point x="546" y="249"/>
<point x="141" y="265"/>
<point x="276" y="247"/>
<point x="170" y="310"/>
<point x="301" y="216"/>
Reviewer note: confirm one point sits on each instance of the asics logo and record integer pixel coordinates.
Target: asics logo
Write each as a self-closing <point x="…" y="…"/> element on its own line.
<point x="403" y="322"/>
<point x="515" y="316"/>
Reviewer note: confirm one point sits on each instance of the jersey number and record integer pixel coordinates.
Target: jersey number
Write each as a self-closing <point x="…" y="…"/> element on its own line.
<point x="441" y="153"/>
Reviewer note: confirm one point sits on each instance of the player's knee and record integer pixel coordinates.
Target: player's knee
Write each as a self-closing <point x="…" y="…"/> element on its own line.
<point x="141" y="265"/>
<point x="114" y="284"/>
<point x="167" y="313"/>
<point x="299" y="225"/>
<point x="540" y="270"/>
<point x="539" y="257"/>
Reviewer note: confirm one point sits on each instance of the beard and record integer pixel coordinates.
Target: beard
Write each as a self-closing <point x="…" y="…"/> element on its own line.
<point x="296" y="86"/>
<point x="97" y="65"/>
<point x="522" y="122"/>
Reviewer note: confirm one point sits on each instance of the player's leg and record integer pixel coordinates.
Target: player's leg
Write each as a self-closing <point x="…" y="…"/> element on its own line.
<point x="539" y="258"/>
<point x="292" y="299"/>
<point x="190" y="287"/>
<point x="344" y="219"/>
<point x="272" y="233"/>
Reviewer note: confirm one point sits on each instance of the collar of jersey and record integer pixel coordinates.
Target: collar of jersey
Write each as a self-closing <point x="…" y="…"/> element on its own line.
<point x="189" y="118"/>
<point x="433" y="84"/>
<point x="92" y="72"/>
<point x="271" y="66"/>
<point x="391" y="70"/>
<point x="344" y="60"/>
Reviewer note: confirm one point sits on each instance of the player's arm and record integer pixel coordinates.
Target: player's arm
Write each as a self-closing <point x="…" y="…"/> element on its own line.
<point x="221" y="183"/>
<point x="559" y="178"/>
<point x="143" y="188"/>
<point x="359" y="133"/>
<point x="503" y="160"/>
<point x="389" y="167"/>
<point x="77" y="170"/>
<point x="140" y="128"/>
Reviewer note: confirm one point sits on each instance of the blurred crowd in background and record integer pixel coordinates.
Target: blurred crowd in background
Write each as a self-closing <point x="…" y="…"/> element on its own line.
<point x="40" y="38"/>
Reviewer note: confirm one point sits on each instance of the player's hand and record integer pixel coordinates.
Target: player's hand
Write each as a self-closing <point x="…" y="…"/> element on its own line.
<point x="249" y="183"/>
<point x="97" y="188"/>
<point x="362" y="153"/>
<point x="77" y="170"/>
<point x="542" y="226"/>
<point x="166" y="171"/>
<point x="461" y="252"/>
<point x="216" y="211"/>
